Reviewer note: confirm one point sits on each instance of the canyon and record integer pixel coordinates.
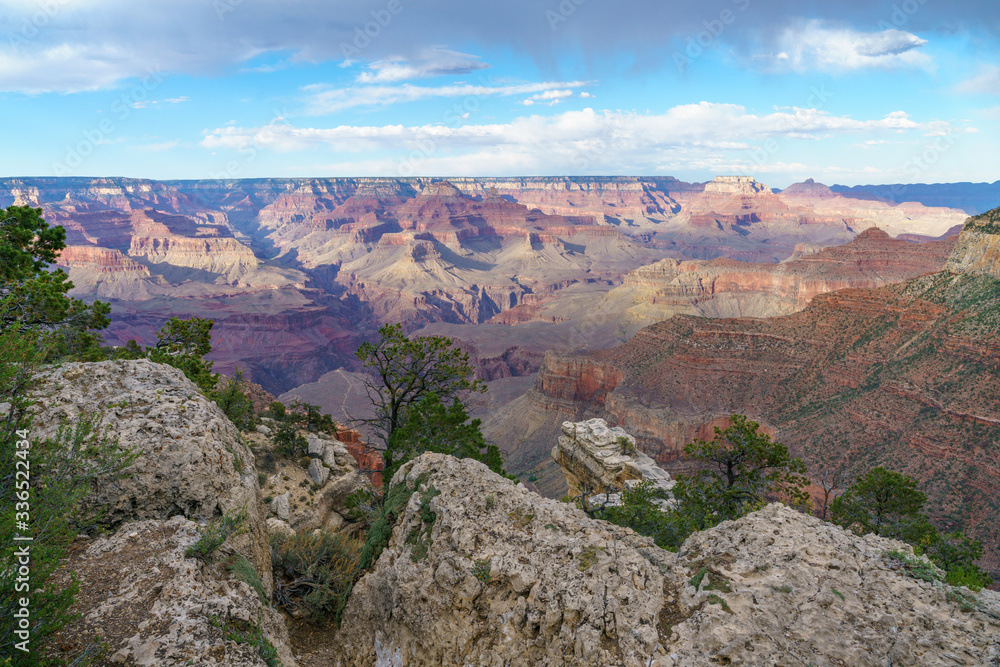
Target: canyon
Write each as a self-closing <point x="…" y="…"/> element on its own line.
<point x="297" y="272"/>
<point x="899" y="376"/>
<point x="580" y="297"/>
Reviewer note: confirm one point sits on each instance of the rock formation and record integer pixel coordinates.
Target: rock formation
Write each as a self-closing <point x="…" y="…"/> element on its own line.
<point x="727" y="288"/>
<point x="191" y="459"/>
<point x="506" y="577"/>
<point x="150" y="602"/>
<point x="312" y="493"/>
<point x="978" y="249"/>
<point x="153" y="606"/>
<point x="597" y="459"/>
<point x="295" y="272"/>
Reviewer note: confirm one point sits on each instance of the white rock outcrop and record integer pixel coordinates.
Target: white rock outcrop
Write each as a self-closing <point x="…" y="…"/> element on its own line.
<point x="601" y="459"/>
<point x="192" y="460"/>
<point x="509" y="577"/>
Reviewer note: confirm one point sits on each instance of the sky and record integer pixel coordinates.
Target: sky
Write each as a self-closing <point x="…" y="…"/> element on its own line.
<point x="849" y="92"/>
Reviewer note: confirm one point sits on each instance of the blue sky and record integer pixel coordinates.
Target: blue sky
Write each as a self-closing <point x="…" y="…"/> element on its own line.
<point x="849" y="92"/>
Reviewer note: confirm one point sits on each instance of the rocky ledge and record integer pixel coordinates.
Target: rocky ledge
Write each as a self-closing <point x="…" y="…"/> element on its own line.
<point x="481" y="571"/>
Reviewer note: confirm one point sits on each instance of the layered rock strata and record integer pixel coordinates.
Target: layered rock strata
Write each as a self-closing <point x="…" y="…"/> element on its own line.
<point x="597" y="459"/>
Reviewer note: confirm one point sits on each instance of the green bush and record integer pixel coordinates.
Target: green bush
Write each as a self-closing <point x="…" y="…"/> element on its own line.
<point x="276" y="411"/>
<point x="430" y="426"/>
<point x="288" y="443"/>
<point x="216" y="533"/>
<point x="315" y="571"/>
<point x="233" y="401"/>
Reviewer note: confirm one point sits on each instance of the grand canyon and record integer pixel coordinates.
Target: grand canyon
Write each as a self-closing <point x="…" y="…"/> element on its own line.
<point x="610" y="297"/>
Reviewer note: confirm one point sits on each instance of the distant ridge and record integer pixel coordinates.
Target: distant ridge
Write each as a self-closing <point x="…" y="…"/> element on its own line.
<point x="973" y="198"/>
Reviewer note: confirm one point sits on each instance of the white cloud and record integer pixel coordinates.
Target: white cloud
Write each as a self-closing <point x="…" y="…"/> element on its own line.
<point x="987" y="81"/>
<point x="322" y="100"/>
<point x="549" y="97"/>
<point x="430" y="63"/>
<point x="686" y="136"/>
<point x="814" y="45"/>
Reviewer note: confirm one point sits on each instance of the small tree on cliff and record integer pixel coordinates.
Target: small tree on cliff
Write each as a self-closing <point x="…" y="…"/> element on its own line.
<point x="886" y="503"/>
<point x="404" y="370"/>
<point x="183" y="344"/>
<point x="743" y="467"/>
<point x="431" y="426"/>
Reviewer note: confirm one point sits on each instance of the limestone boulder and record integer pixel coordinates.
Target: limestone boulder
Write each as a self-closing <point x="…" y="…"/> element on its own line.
<point x="191" y="459"/>
<point x="501" y="576"/>
<point x="154" y="606"/>
<point x="480" y="571"/>
<point x="601" y="459"/>
<point x="780" y="587"/>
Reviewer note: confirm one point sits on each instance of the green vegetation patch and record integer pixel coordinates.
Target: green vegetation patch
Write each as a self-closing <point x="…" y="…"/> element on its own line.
<point x="216" y="533"/>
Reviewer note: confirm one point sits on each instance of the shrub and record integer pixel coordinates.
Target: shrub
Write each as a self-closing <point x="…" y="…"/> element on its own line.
<point x="288" y="442"/>
<point x="216" y="533"/>
<point x="430" y="426"/>
<point x="481" y="569"/>
<point x="276" y="410"/>
<point x="233" y="401"/>
<point x="316" y="571"/>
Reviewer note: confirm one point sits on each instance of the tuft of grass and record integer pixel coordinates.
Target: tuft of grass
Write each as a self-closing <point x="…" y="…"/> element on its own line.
<point x="718" y="583"/>
<point x="521" y="517"/>
<point x="715" y="599"/>
<point x="781" y="589"/>
<point x="697" y="579"/>
<point x="244" y="570"/>
<point x="216" y="533"/>
<point x="587" y="558"/>
<point x="915" y="567"/>
<point x="250" y="634"/>
<point x="837" y="593"/>
<point x="420" y="537"/>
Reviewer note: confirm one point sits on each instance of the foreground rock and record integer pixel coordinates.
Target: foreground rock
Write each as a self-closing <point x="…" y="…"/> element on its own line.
<point x="781" y="587"/>
<point x="151" y="605"/>
<point x="509" y="578"/>
<point x="191" y="462"/>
